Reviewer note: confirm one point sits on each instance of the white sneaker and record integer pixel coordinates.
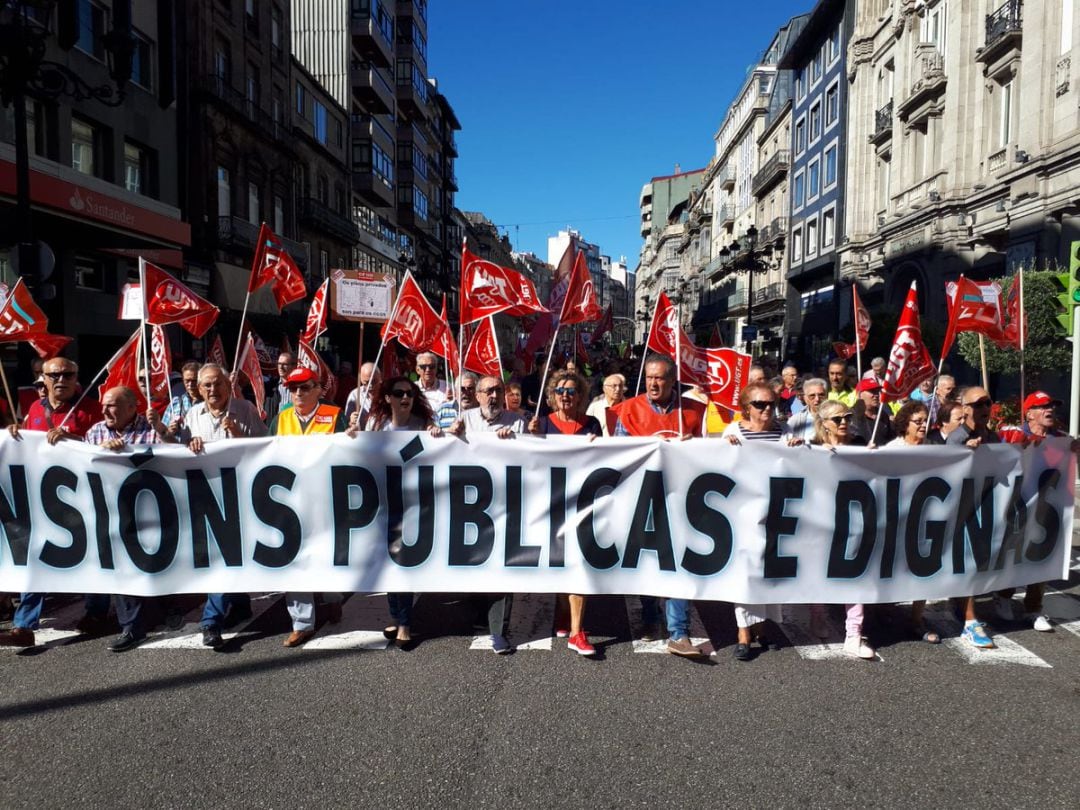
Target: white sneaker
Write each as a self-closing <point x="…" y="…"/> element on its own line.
<point x="1003" y="607"/>
<point x="1041" y="622"/>
<point x="856" y="647"/>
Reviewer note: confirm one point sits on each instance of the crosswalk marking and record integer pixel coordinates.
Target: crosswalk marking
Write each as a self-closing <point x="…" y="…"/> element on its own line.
<point x="531" y="624"/>
<point x="1063" y="609"/>
<point x="193" y="641"/>
<point x="363" y="613"/>
<point x="796" y="626"/>
<point x="941" y="619"/>
<point x="699" y="637"/>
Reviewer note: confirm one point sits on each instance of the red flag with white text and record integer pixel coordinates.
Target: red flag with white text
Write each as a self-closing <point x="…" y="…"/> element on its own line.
<point x="580" y="304"/>
<point x="909" y="361"/>
<point x="316" y="319"/>
<point x="217" y="352"/>
<point x="445" y="346"/>
<point x="168" y="301"/>
<point x="250" y="366"/>
<point x="160" y="366"/>
<point x="414" y="322"/>
<point x="482" y="356"/>
<point x="862" y="319"/>
<point x="273" y="265"/>
<point x="974" y="306"/>
<point x="124" y="370"/>
<point x="489" y="289"/>
<point x="1010" y="338"/>
<point x="48" y="346"/>
<point x="21" y="317"/>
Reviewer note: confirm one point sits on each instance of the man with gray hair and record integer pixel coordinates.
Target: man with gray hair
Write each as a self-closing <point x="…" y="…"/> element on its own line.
<point x="815" y="391"/>
<point x="449" y="411"/>
<point x="427" y="367"/>
<point x="366" y="383"/>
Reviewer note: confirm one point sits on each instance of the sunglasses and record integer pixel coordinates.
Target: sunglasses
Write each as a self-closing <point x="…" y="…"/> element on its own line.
<point x="468" y="389"/>
<point x="301" y="388"/>
<point x="763" y="404"/>
<point x="489" y="391"/>
<point x="426" y="366"/>
<point x="40" y="386"/>
<point x="566" y="391"/>
<point x="841" y="419"/>
<point x="56" y="376"/>
<point x="401" y="393"/>
<point x="985" y="402"/>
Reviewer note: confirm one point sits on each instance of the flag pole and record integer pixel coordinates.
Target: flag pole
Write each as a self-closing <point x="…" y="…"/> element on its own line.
<point x="547" y="367"/>
<point x="982" y="362"/>
<point x="359" y="362"/>
<point x="1023" y="341"/>
<point x="495" y="340"/>
<point x="97" y="376"/>
<point x="382" y="344"/>
<point x="678" y="366"/>
<point x="855" y="319"/>
<point x="645" y="348"/>
<point x="143" y="347"/>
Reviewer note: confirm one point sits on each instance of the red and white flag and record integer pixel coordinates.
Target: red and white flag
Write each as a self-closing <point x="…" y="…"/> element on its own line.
<point x="974" y="306"/>
<point x="606" y="324"/>
<point x="48" y="346"/>
<point x="580" y="304"/>
<point x="846" y="351"/>
<point x="124" y="370"/>
<point x="21" y="318"/>
<point x="909" y="361"/>
<point x="489" y="289"/>
<point x="719" y="372"/>
<point x="168" y="301"/>
<point x="316" y="318"/>
<point x="482" y="356"/>
<point x="217" y="352"/>
<point x="1010" y="337"/>
<point x="445" y="346"/>
<point x="249" y="365"/>
<point x="414" y="322"/>
<point x="273" y="265"/>
<point x="160" y="366"/>
<point x="307" y="357"/>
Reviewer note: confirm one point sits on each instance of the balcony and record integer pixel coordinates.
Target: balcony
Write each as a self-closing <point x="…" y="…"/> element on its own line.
<point x="450" y="142"/>
<point x="373" y="187"/>
<point x="240" y="235"/>
<point x="316" y="214"/>
<point x="368" y="126"/>
<point x="927" y="96"/>
<point x="774" y="233"/>
<point x="370" y="88"/>
<point x="412" y="90"/>
<point x="725" y="215"/>
<point x="372" y="34"/>
<point x="725" y="177"/>
<point x="883" y="124"/>
<point x="236" y="102"/>
<point x="1004" y="29"/>
<point x="774" y="170"/>
<point x="717" y="268"/>
<point x="777" y="291"/>
<point x="451" y="179"/>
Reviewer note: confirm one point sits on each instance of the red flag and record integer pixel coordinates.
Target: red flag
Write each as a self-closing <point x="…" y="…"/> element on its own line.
<point x="20" y="317"/>
<point x="606" y="324"/>
<point x="579" y="305"/>
<point x="169" y="301"/>
<point x="482" y="356"/>
<point x="488" y="289"/>
<point x="316" y="318"/>
<point x="845" y="351"/>
<point x="582" y="350"/>
<point x="862" y="319"/>
<point x="445" y="346"/>
<point x="275" y="266"/>
<point x="249" y="364"/>
<point x="715" y="341"/>
<point x="413" y="322"/>
<point x="1010" y="338"/>
<point x="124" y="370"/>
<point x="909" y="361"/>
<point x="267" y="361"/>
<point x="48" y="346"/>
<point x="560" y="279"/>
<point x="973" y="307"/>
<point x="160" y="366"/>
<point x="719" y="372"/>
<point x="217" y="353"/>
<point x="309" y="358"/>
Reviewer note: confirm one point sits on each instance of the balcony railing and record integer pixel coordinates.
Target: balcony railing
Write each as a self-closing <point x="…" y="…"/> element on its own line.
<point x="883" y="121"/>
<point x="1008" y="19"/>
<point x="725" y="176"/>
<point x="218" y="87"/>
<point x="772" y="292"/>
<point x="774" y="169"/>
<point x="239" y="234"/>
<point x="318" y="215"/>
<point x="725" y="213"/>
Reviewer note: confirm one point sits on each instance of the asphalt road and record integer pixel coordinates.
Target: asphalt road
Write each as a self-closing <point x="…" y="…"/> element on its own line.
<point x="445" y="725"/>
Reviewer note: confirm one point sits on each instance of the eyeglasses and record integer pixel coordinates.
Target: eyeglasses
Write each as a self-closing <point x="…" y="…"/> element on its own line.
<point x="985" y="402"/>
<point x="302" y="388"/>
<point x="495" y="389"/>
<point x="566" y="391"/>
<point x="841" y="419"/>
<point x="761" y="405"/>
<point x="426" y="366"/>
<point x="917" y="422"/>
<point x="401" y="393"/>
<point x="56" y="376"/>
<point x="468" y="389"/>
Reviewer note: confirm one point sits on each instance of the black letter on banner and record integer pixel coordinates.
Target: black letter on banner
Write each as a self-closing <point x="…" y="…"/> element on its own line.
<point x="892" y="522"/>
<point x="15" y="515"/>
<point x="168" y="519"/>
<point x="1015" y="525"/>
<point x="205" y="511"/>
<point x="405" y="555"/>
<point x="101" y="523"/>
<point x="709" y="522"/>
<point x="64" y="515"/>
<point x="1047" y="517"/>
<point x="517" y="555"/>
<point x="346" y="518"/>
<point x="599" y="557"/>
<point x="847" y="493"/>
<point x="276" y="514"/>
<point x="778" y="524"/>
<point x="919" y="565"/>
<point x="976" y="526"/>
<point x="464" y="513"/>
<point x="557" y="518"/>
<point x="650" y="500"/>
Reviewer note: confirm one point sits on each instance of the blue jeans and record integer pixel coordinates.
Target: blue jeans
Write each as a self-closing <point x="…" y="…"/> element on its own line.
<point x="677" y="612"/>
<point x="401" y="605"/>
<point x="28" y="615"/>
<point x="128" y="609"/>
<point x="218" y="606"/>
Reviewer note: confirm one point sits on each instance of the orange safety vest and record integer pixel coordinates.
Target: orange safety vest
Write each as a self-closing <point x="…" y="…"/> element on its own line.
<point x="324" y="421"/>
<point x="639" y="418"/>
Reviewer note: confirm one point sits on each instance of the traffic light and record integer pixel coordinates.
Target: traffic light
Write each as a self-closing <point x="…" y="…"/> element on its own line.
<point x="1069" y="298"/>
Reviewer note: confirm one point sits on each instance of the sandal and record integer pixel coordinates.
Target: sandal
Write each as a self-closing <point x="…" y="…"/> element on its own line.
<point x="929" y="636"/>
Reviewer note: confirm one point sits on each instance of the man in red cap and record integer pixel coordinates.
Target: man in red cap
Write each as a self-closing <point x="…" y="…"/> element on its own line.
<point x="1040" y="421"/>
<point x="867" y="428"/>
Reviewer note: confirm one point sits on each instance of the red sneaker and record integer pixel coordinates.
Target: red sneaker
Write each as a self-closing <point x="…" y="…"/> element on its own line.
<point x="579" y="643"/>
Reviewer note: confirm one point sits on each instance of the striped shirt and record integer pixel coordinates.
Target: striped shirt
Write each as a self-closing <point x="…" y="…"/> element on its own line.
<point x="139" y="431"/>
<point x="739" y="431"/>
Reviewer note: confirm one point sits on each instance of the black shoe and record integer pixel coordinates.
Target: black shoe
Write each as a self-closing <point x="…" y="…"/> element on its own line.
<point x="174" y="619"/>
<point x="211" y="637"/>
<point x="125" y="641"/>
<point x="237" y="614"/>
<point x="742" y="652"/>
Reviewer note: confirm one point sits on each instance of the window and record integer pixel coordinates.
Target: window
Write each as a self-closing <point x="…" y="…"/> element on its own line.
<point x="815" y="121"/>
<point x="136" y="166"/>
<point x="800" y="85"/>
<point x="301" y="102"/>
<point x="813" y="181"/>
<point x="811" y="237"/>
<point x="224" y="192"/>
<point x="800" y="136"/>
<point x="253" y="203"/>
<point x="1005" y="119"/>
<point x="322" y="189"/>
<point x="276" y="24"/>
<point x="339" y="130"/>
<point x="798" y="190"/>
<point x="279" y="214"/>
<point x="142" y="62"/>
<point x="93" y="20"/>
<point x="796" y="245"/>
<point x="277" y="105"/>
<point x="830" y="165"/>
<point x="250" y="19"/>
<point x="832" y="104"/>
<point x="420" y="203"/>
<point x="833" y="46"/>
<point x="933" y="26"/>
<point x="89" y="273"/>
<point x="815" y="68"/>
<point x="319" y="120"/>
<point x="828" y="228"/>
<point x="41" y="126"/>
<point x="251" y="88"/>
<point x="85" y="148"/>
<point x="324" y="263"/>
<point x="420" y="162"/>
<point x="222" y="61"/>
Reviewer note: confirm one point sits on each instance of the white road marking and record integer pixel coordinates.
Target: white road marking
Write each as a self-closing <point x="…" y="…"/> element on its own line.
<point x="699" y="637"/>
<point x="941" y="619"/>
<point x="1063" y="609"/>
<point x="193" y="641"/>
<point x="46" y="637"/>
<point x="350" y="640"/>
<point x="796" y="626"/>
<point x="361" y="614"/>
<point x="531" y="618"/>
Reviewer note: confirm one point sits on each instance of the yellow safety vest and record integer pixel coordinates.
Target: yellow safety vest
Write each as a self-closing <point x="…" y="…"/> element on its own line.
<point x="324" y="421"/>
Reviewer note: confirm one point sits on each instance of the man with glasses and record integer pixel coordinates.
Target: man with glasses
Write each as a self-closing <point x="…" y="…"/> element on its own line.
<point x="491" y="417"/>
<point x="308" y="416"/>
<point x="448" y="413"/>
<point x="278" y="400"/>
<point x="169" y="427"/>
<point x="220" y="416"/>
<point x="839" y="389"/>
<point x="801" y="424"/>
<point x="867" y="428"/>
<point x="355" y="411"/>
<point x="789" y="390"/>
<point x="427" y="367"/>
<point x="612" y="393"/>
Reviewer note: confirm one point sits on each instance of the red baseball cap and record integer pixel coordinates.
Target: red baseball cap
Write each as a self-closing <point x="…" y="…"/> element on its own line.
<point x="300" y="374"/>
<point x="867" y="385"/>
<point x="1039" y="399"/>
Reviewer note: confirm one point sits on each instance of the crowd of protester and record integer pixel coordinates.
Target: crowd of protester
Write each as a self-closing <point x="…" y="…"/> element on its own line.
<point x="830" y="408"/>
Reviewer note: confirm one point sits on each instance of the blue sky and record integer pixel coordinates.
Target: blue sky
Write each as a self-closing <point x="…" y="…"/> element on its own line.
<point x="568" y="108"/>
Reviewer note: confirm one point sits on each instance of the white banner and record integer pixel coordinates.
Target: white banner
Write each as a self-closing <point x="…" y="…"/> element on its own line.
<point x="699" y="519"/>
